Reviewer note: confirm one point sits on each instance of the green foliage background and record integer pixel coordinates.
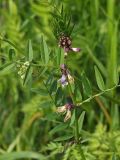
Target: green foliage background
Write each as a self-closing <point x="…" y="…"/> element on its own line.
<point x="26" y="117"/>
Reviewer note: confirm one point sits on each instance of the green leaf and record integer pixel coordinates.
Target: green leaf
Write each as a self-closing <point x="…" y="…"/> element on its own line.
<point x="50" y="79"/>
<point x="13" y="45"/>
<point x="11" y="53"/>
<point x="62" y="11"/>
<point x="63" y="138"/>
<point x="60" y="56"/>
<point x="44" y="51"/>
<point x="72" y="118"/>
<point x="71" y="29"/>
<point x="86" y="85"/>
<point x="6" y="68"/>
<point x="69" y="21"/>
<point x="30" y="51"/>
<point x="39" y="91"/>
<point x="53" y="87"/>
<point x="58" y="128"/>
<point x="80" y="121"/>
<point x="22" y="155"/>
<point x="114" y="157"/>
<point x="12" y="8"/>
<point x="78" y="95"/>
<point x="28" y="75"/>
<point x="97" y="62"/>
<point x="99" y="79"/>
<point x="43" y="70"/>
<point x="116" y="77"/>
<point x="59" y="96"/>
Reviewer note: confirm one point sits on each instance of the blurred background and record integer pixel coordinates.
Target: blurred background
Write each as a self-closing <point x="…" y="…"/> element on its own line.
<point x="26" y="117"/>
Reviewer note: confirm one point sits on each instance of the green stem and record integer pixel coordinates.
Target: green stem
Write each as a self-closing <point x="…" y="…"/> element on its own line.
<point x="112" y="28"/>
<point x="76" y="117"/>
<point x="76" y="126"/>
<point x="76" y="122"/>
<point x="96" y="95"/>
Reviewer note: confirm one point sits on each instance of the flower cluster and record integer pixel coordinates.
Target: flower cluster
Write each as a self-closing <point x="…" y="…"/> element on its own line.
<point x="66" y="109"/>
<point x="65" y="43"/>
<point x="23" y="69"/>
<point x="66" y="78"/>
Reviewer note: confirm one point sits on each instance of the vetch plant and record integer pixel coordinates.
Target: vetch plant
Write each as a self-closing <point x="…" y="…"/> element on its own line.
<point x="66" y="93"/>
<point x="65" y="42"/>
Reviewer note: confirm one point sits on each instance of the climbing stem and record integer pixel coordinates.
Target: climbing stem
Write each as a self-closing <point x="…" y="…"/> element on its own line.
<point x="76" y="115"/>
<point x="76" y="123"/>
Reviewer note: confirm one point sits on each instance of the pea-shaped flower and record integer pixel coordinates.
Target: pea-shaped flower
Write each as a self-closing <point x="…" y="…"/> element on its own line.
<point x="66" y="78"/>
<point x="65" y="42"/>
<point x="66" y="109"/>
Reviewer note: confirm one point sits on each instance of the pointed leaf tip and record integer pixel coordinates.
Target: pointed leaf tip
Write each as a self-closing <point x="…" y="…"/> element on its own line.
<point x="99" y="79"/>
<point x="30" y="51"/>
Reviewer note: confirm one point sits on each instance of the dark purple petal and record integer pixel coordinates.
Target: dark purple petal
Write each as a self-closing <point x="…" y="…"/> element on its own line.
<point x="64" y="70"/>
<point x="63" y="66"/>
<point x="67" y="49"/>
<point x="63" y="80"/>
<point x="69" y="106"/>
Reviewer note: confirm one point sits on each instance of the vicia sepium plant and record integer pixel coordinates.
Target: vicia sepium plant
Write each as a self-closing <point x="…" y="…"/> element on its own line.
<point x="62" y="31"/>
<point x="61" y="86"/>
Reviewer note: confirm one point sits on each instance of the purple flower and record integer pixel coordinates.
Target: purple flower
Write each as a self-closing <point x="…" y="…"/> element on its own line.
<point x="66" y="50"/>
<point x="66" y="109"/>
<point x="63" y="67"/>
<point x="66" y="77"/>
<point x="63" y="80"/>
<point x="65" y="43"/>
<point x="71" y="49"/>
